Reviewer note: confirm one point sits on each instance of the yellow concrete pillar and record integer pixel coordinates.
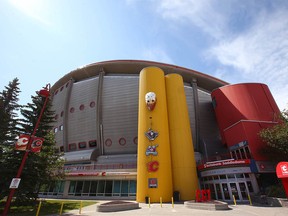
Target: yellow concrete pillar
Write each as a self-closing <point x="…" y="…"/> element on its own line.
<point x="182" y="151"/>
<point x="154" y="176"/>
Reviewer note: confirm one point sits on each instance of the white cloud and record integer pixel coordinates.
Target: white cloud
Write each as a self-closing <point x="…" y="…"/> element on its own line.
<point x="255" y="49"/>
<point x="196" y="12"/>
<point x="35" y="9"/>
<point x="157" y="54"/>
<point x="261" y="54"/>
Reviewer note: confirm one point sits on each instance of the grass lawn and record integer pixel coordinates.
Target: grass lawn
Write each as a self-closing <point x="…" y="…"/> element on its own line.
<point x="48" y="207"/>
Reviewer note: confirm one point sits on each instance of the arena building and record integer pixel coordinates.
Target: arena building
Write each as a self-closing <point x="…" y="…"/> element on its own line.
<point x="102" y="122"/>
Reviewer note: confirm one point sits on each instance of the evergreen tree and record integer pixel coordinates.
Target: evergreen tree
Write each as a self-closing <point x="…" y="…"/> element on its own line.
<point x="8" y="113"/>
<point x="277" y="139"/>
<point x="9" y="130"/>
<point x="40" y="168"/>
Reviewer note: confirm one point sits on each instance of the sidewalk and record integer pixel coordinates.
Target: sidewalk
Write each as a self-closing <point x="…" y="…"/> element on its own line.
<point x="179" y="209"/>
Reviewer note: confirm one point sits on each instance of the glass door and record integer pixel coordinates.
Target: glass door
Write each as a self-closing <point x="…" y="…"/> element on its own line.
<point x="234" y="191"/>
<point x="226" y="191"/>
<point x="243" y="190"/>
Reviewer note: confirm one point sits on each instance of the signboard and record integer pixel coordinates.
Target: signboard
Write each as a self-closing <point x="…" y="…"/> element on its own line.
<point x="224" y="171"/>
<point x="229" y="162"/>
<point x="152" y="183"/>
<point x="282" y="170"/>
<point x="15" y="183"/>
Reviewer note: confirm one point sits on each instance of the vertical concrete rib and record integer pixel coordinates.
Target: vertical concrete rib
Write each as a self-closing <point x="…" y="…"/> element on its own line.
<point x="196" y="108"/>
<point x="99" y="112"/>
<point x="66" y="113"/>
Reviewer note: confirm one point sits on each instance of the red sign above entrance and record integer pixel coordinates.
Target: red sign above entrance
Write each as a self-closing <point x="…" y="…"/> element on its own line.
<point x="282" y="170"/>
<point x="230" y="162"/>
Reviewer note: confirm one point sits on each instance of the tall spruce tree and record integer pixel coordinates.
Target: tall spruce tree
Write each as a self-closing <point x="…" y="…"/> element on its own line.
<point x="44" y="167"/>
<point x="9" y="130"/>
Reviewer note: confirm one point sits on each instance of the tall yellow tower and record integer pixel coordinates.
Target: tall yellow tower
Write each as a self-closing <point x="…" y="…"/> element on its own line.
<point x="154" y="177"/>
<point x="165" y="160"/>
<point x="184" y="169"/>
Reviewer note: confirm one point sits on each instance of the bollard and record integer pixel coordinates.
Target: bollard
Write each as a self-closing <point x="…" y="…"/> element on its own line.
<point x="39" y="207"/>
<point x="172" y="202"/>
<point x="80" y="209"/>
<point x="161" y="202"/>
<point x="234" y="200"/>
<point x="249" y="199"/>
<point x="61" y="209"/>
<point x="149" y="201"/>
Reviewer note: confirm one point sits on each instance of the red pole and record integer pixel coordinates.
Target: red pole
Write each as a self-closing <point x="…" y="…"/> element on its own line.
<point x="25" y="156"/>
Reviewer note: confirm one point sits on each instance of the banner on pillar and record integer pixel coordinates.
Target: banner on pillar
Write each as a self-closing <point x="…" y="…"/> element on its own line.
<point x="23" y="140"/>
<point x="36" y="144"/>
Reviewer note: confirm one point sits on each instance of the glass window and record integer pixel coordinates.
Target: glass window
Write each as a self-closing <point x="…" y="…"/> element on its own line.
<point x="218" y="191"/>
<point x="222" y="176"/>
<point x="226" y="191"/>
<point x="61" y="128"/>
<point x="230" y="176"/>
<point x="82" y="145"/>
<point x="132" y="188"/>
<point x="82" y="107"/>
<point x="234" y="190"/>
<point x="72" y="187"/>
<point x="92" y="143"/>
<point x="234" y="155"/>
<point x="242" y="153"/>
<point x="93" y="188"/>
<point x="247" y="150"/>
<point x="86" y="187"/>
<point x="212" y="191"/>
<point x="92" y="104"/>
<point x="108" y="188"/>
<point x="116" y="188"/>
<point x="101" y="188"/>
<point x="243" y="190"/>
<point x="61" y="187"/>
<point x="250" y="187"/>
<point x="61" y="148"/>
<point x="124" y="188"/>
<point x="239" y="175"/>
<point x="72" y="147"/>
<point x="79" y="188"/>
<point x="238" y="153"/>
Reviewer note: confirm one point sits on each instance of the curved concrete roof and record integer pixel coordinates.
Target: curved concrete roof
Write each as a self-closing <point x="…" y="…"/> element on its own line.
<point x="204" y="81"/>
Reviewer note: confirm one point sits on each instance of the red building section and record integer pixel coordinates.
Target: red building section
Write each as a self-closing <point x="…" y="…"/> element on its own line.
<point x="242" y="110"/>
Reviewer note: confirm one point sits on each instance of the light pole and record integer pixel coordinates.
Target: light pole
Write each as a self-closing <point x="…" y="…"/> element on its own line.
<point x="45" y="93"/>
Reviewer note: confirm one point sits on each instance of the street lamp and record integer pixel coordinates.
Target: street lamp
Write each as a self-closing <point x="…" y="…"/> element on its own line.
<point x="45" y="93"/>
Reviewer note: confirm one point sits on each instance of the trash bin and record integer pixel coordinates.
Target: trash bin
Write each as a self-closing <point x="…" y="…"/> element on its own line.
<point x="176" y="196"/>
<point x="146" y="199"/>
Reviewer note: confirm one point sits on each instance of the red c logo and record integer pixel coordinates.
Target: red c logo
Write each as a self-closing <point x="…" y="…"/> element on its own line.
<point x="153" y="166"/>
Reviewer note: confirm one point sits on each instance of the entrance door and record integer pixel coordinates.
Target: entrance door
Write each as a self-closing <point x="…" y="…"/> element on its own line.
<point x="226" y="191"/>
<point x="243" y="190"/>
<point x="234" y="191"/>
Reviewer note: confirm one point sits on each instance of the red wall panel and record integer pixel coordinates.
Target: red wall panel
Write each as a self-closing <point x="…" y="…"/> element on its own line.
<point x="242" y="110"/>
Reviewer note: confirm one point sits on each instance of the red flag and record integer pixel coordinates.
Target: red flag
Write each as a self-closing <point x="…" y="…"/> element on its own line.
<point x="22" y="142"/>
<point x="36" y="144"/>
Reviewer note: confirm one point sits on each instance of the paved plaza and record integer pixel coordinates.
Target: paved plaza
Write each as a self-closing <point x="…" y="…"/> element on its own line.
<point x="180" y="209"/>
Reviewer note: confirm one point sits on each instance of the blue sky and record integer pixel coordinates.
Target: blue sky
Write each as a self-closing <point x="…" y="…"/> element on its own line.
<point x="234" y="40"/>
